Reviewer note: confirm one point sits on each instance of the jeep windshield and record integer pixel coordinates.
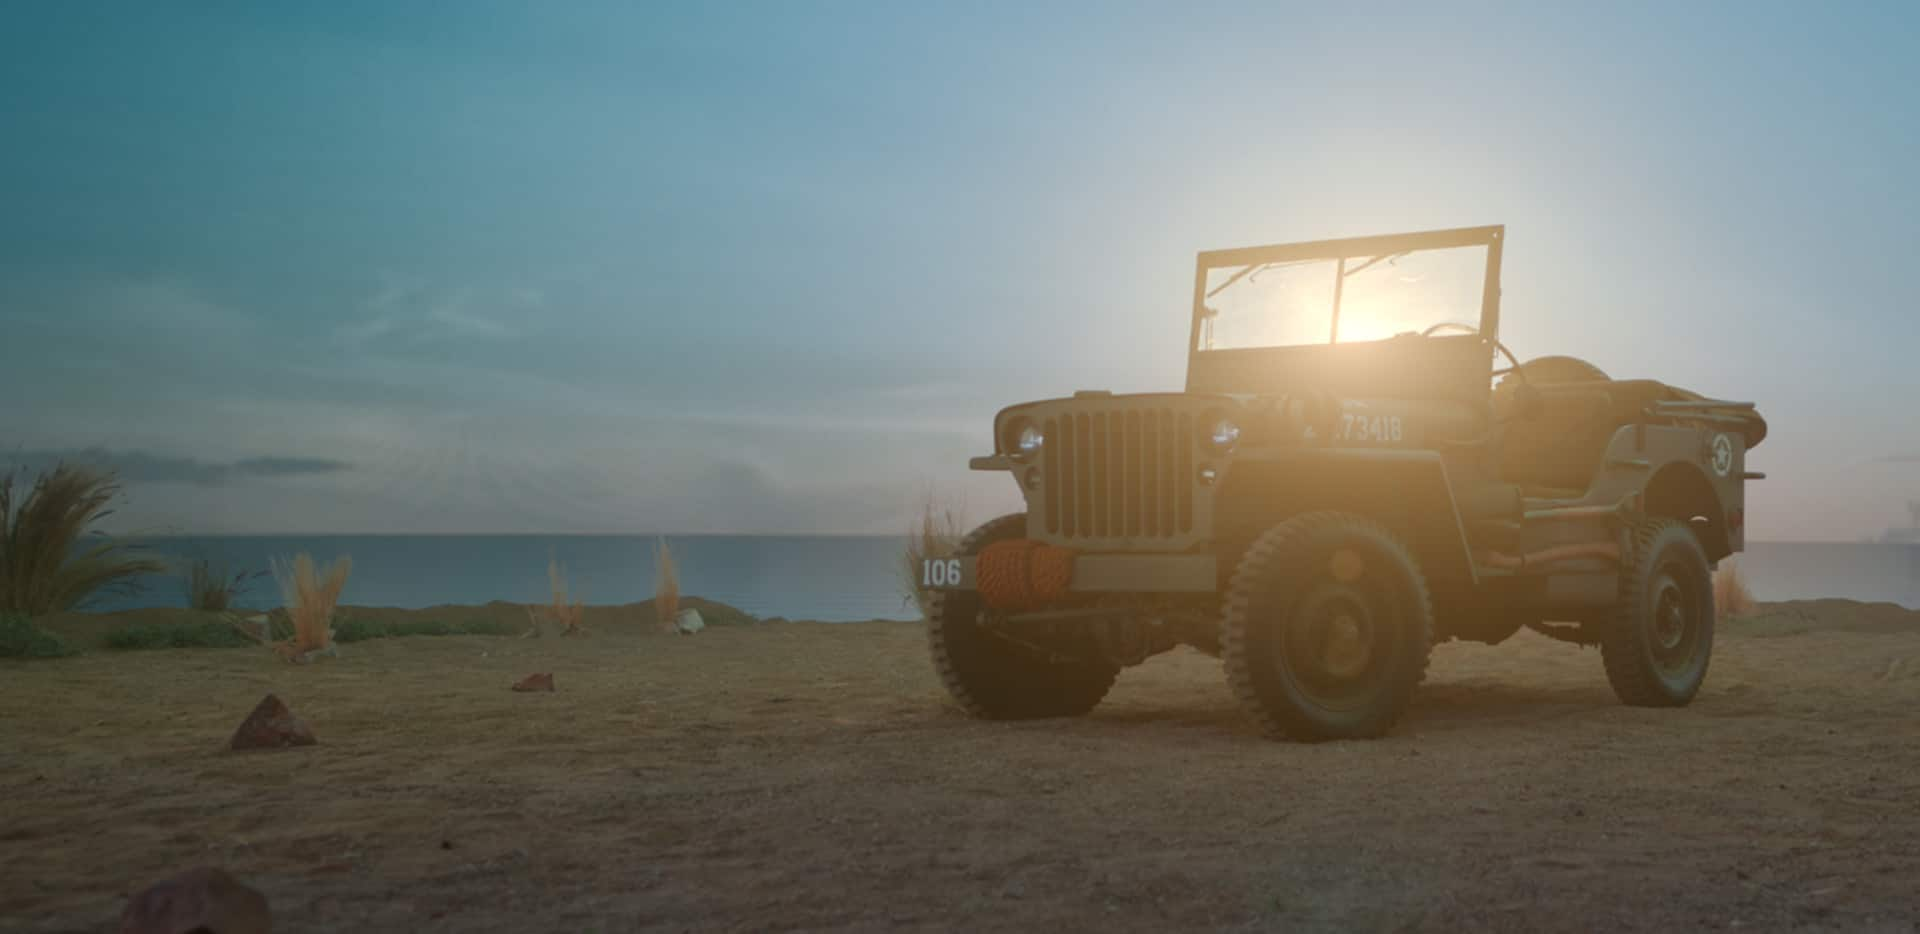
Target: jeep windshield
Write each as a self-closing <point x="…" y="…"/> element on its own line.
<point x="1278" y="297"/>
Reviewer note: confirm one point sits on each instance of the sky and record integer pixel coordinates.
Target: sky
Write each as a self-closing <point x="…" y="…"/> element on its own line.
<point x="772" y="267"/>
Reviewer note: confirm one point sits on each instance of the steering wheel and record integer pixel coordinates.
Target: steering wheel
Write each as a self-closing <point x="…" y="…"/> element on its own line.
<point x="1470" y="329"/>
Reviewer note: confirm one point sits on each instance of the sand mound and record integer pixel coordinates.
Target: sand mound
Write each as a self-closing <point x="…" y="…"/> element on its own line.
<point x="639" y="617"/>
<point x="1830" y="615"/>
<point x="90" y="630"/>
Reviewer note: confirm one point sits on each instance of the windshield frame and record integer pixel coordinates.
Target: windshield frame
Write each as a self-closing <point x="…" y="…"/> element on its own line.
<point x="1489" y="237"/>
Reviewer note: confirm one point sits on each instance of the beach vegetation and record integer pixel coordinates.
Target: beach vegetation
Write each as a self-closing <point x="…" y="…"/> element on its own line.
<point x="561" y="609"/>
<point x="359" y="630"/>
<point x="311" y="593"/>
<point x="666" y="585"/>
<point x="206" y="634"/>
<point x="211" y="588"/>
<point x="937" y="531"/>
<point x="21" y="638"/>
<point x="1731" y="597"/>
<point x="49" y="561"/>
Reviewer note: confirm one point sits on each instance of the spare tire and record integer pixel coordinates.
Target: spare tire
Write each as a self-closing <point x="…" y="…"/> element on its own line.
<point x="1556" y="369"/>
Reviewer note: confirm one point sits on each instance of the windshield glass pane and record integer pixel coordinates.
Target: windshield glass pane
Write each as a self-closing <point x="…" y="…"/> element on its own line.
<point x="1288" y="304"/>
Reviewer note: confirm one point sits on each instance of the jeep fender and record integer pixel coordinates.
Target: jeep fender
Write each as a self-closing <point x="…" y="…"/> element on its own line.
<point x="1693" y="473"/>
<point x="1406" y="490"/>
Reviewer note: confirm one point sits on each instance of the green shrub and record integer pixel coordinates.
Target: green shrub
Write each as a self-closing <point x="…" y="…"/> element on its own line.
<point x="43" y="568"/>
<point x="20" y="638"/>
<point x="139" y="637"/>
<point x="212" y="635"/>
<point x="488" y="627"/>
<point x="202" y="635"/>
<point x="429" y="627"/>
<point x="357" y="630"/>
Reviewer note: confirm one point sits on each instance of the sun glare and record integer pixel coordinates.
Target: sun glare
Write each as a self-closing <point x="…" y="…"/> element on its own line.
<point x="1291" y="304"/>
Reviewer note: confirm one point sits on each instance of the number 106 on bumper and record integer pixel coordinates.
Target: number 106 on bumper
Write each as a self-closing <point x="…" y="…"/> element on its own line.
<point x="946" y="573"/>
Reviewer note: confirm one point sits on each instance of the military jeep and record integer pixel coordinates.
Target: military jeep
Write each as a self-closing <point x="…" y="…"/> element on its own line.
<point x="1357" y="470"/>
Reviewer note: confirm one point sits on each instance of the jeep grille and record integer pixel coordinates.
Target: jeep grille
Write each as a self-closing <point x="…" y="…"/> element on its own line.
<point x="1119" y="474"/>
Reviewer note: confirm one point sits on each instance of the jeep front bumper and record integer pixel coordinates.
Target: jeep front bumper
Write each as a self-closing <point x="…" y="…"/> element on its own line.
<point x="1097" y="573"/>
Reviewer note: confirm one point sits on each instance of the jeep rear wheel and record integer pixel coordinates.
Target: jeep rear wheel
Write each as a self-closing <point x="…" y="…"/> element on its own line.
<point x="1327" y="628"/>
<point x="1001" y="676"/>
<point x="1660" y="639"/>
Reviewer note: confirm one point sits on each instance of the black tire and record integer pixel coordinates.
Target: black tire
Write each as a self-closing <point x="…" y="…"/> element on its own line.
<point x="1312" y="588"/>
<point x="1659" y="641"/>
<point x="997" y="679"/>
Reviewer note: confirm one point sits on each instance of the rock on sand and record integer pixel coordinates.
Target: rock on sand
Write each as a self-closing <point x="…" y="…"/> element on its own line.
<point x="272" y="726"/>
<point x="203" y="899"/>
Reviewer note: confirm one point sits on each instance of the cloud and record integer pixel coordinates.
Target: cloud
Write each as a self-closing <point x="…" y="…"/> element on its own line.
<point x="412" y="312"/>
<point x="148" y="467"/>
<point x="1897" y="459"/>
<point x="367" y="330"/>
<point x="284" y="466"/>
<point x="456" y="319"/>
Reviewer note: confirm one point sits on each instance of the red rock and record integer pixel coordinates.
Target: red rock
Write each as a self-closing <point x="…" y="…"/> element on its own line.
<point x="203" y="899"/>
<point x="535" y="682"/>
<point x="272" y="726"/>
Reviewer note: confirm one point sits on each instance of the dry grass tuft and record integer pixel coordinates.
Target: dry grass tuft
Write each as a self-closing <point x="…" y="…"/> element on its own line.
<point x="666" y="585"/>
<point x="566" y="613"/>
<point x="1731" y="598"/>
<point x="211" y="588"/>
<point x="311" y="593"/>
<point x="937" y="532"/>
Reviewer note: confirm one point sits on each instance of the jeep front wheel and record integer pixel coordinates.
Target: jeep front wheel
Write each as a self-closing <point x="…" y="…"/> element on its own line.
<point x="999" y="675"/>
<point x="1657" y="645"/>
<point x="1327" y="628"/>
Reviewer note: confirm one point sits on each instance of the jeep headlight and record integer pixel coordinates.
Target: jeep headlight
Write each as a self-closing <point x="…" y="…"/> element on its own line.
<point x="1029" y="440"/>
<point x="1224" y="434"/>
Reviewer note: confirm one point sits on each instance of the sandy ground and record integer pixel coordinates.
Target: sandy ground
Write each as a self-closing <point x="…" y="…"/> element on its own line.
<point x="811" y="776"/>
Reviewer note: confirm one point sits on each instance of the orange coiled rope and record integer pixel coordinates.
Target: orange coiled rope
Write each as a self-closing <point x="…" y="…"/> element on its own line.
<point x="1022" y="573"/>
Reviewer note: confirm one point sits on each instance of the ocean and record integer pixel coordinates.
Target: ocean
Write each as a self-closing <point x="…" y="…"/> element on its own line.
<point x="832" y="578"/>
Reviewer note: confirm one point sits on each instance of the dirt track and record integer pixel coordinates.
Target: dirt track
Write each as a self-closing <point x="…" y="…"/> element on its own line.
<point x="810" y="776"/>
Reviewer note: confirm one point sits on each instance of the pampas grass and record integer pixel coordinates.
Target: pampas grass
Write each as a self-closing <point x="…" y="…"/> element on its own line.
<point x="1731" y="598"/>
<point x="311" y="593"/>
<point x="666" y="585"/>
<point x="43" y="569"/>
<point x="568" y="614"/>
<point x="937" y="532"/>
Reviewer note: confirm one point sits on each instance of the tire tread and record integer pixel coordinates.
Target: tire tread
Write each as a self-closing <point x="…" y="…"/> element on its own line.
<point x="1623" y="647"/>
<point x="1021" y="687"/>
<point x="1273" y="550"/>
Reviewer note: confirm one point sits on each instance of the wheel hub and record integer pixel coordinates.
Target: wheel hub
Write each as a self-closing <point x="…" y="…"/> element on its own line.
<point x="1671" y="621"/>
<point x="1331" y="641"/>
<point x="1346" y="647"/>
<point x="1669" y="624"/>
